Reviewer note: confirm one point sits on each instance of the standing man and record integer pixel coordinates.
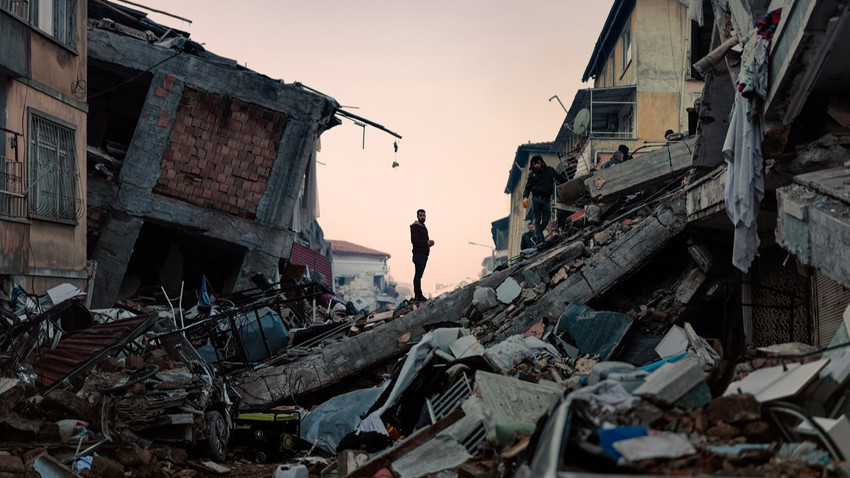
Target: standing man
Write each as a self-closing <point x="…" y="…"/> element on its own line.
<point x="529" y="239"/>
<point x="541" y="184"/>
<point x="421" y="248"/>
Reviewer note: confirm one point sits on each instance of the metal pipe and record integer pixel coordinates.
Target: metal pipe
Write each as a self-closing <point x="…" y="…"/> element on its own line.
<point x="155" y="10"/>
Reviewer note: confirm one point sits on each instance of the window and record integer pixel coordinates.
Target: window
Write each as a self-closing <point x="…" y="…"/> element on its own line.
<point x="53" y="178"/>
<point x="55" y="18"/>
<point x="18" y="8"/>
<point x="626" y="42"/>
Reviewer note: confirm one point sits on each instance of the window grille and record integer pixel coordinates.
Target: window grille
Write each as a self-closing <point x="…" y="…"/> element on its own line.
<point x="53" y="177"/>
<point x="11" y="186"/>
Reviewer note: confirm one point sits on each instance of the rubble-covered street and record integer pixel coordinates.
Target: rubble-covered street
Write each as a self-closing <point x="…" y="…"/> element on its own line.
<point x="687" y="312"/>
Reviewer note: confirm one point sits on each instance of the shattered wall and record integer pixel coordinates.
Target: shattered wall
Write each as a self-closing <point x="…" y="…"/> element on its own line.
<point x="216" y="157"/>
<point x="220" y="152"/>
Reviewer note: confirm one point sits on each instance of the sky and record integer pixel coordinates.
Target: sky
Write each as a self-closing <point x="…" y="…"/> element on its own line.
<point x="464" y="82"/>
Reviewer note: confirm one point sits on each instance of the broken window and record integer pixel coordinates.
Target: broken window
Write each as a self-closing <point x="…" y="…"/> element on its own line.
<point x="53" y="178"/>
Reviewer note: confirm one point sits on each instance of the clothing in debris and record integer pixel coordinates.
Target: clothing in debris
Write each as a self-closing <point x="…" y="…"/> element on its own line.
<point x="541" y="184"/>
<point x="742" y="147"/>
<point x="615" y="160"/>
<point x="421" y="249"/>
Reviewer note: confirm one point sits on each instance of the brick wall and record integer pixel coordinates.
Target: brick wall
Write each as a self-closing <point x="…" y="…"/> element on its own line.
<point x="221" y="151"/>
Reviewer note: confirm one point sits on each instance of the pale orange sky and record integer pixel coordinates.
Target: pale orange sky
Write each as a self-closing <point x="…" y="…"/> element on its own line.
<point x="465" y="82"/>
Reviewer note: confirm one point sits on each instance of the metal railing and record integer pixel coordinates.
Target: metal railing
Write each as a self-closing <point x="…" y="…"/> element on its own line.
<point x="18" y="8"/>
<point x="12" y="202"/>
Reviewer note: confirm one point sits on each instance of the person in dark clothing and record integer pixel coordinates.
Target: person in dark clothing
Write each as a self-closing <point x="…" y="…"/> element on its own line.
<point x="529" y="239"/>
<point x="541" y="184"/>
<point x="625" y="150"/>
<point x="421" y="248"/>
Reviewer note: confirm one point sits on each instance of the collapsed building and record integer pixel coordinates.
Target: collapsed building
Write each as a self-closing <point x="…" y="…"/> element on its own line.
<point x="198" y="166"/>
<point x="641" y="338"/>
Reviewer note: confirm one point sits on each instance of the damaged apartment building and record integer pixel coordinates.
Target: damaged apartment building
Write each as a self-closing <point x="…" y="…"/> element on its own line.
<point x="134" y="160"/>
<point x="197" y="166"/>
<point x="43" y="68"/>
<point x="764" y="275"/>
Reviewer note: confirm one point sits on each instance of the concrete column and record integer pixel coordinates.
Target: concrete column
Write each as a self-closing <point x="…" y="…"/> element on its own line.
<point x="112" y="255"/>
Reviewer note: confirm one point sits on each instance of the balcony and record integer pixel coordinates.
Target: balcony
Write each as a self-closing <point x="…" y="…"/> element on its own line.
<point x="12" y="203"/>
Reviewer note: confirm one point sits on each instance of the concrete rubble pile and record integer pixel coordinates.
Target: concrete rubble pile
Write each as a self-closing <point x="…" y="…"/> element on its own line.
<point x="580" y="356"/>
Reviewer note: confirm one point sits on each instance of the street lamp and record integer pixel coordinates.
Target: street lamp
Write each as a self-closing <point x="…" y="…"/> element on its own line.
<point x="492" y="254"/>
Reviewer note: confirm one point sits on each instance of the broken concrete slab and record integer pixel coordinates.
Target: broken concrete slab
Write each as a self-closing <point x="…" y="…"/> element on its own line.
<point x="440" y="453"/>
<point x="651" y="169"/>
<point x="774" y="383"/>
<point x="484" y="299"/>
<point x="611" y="265"/>
<point x="507" y="400"/>
<point x="466" y="346"/>
<point x="508" y="291"/>
<point x="532" y="278"/>
<point x="688" y="287"/>
<point x="812" y="221"/>
<point x="341" y="359"/>
<point x="671" y="381"/>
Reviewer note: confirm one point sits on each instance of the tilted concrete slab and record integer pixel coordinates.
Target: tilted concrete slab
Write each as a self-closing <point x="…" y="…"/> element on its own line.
<point x="642" y="172"/>
<point x="611" y="265"/>
<point x="337" y="361"/>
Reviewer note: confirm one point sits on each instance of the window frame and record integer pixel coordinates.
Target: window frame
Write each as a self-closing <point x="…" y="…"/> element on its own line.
<point x="63" y="171"/>
<point x="63" y="21"/>
<point x="625" y="47"/>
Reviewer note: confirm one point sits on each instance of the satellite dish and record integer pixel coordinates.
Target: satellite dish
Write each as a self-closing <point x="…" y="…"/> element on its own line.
<point x="581" y="121"/>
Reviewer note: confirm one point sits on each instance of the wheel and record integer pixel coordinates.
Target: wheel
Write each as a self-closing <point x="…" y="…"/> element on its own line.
<point x="286" y="441"/>
<point x="260" y="458"/>
<point x="217" y="436"/>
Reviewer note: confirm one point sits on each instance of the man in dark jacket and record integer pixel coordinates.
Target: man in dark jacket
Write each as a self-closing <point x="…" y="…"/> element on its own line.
<point x="529" y="239"/>
<point x="541" y="184"/>
<point x="421" y="248"/>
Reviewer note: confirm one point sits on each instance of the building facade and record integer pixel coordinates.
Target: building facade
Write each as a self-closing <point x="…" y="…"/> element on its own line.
<point x="43" y="110"/>
<point x="643" y="83"/>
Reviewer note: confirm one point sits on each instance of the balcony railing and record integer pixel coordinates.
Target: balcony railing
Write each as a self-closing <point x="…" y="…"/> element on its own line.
<point x="18" y="8"/>
<point x="12" y="200"/>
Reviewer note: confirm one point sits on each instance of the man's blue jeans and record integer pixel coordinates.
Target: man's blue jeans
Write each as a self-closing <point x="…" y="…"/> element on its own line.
<point x="419" y="261"/>
<point x="541" y="211"/>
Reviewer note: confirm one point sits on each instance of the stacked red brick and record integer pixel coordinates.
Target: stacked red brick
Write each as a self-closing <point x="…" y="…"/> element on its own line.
<point x="221" y="152"/>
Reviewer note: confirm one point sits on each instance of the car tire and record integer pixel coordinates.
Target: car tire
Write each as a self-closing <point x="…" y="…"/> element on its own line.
<point x="217" y="436"/>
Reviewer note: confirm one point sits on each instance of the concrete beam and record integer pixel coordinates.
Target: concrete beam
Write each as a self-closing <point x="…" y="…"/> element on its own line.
<point x="214" y="77"/>
<point x="814" y="222"/>
<point x="642" y="172"/>
<point x="610" y="266"/>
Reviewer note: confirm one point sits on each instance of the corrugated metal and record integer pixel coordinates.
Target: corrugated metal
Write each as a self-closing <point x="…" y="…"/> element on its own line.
<point x="304" y="256"/>
<point x="831" y="301"/>
<point x="84" y="345"/>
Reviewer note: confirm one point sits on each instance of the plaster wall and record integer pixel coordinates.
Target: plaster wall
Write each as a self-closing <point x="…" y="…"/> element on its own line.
<point x="352" y="265"/>
<point x="52" y="249"/>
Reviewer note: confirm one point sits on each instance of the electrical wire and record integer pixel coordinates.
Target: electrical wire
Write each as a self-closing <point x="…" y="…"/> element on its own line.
<point x="119" y="85"/>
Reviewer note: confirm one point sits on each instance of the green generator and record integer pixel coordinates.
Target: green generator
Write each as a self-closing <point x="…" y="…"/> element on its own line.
<point x="266" y="433"/>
